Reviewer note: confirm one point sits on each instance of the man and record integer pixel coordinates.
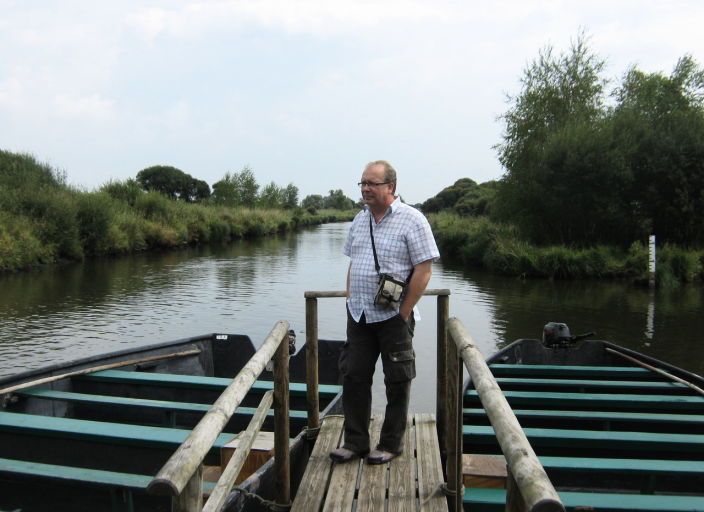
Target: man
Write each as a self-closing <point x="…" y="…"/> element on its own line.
<point x="405" y="249"/>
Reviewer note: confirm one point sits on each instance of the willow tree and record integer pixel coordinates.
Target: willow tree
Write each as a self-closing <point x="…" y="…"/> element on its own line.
<point x="561" y="100"/>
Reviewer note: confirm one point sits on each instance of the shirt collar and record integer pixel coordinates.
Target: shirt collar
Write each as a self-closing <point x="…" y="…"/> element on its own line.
<point x="391" y="209"/>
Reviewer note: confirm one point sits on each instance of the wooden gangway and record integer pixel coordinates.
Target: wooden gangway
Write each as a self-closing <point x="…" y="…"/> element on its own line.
<point x="412" y="481"/>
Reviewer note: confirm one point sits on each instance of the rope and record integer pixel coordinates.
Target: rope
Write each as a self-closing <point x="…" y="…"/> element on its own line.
<point x="269" y="504"/>
<point x="442" y="488"/>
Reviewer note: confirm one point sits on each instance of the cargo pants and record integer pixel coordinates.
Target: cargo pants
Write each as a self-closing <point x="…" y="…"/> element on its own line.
<point x="393" y="340"/>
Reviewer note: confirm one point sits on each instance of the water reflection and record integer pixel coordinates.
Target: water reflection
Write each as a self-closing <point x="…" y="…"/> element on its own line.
<point x="60" y="313"/>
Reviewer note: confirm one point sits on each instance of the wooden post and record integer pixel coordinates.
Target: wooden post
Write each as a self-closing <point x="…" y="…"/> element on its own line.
<point x="178" y="470"/>
<point x="282" y="465"/>
<point x="514" y="500"/>
<point x="459" y="441"/>
<point x="191" y="499"/>
<point x="535" y="487"/>
<point x="312" y="366"/>
<point x="452" y="432"/>
<point x="443" y="310"/>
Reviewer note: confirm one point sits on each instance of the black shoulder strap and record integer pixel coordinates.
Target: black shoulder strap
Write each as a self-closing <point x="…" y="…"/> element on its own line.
<point x="371" y="233"/>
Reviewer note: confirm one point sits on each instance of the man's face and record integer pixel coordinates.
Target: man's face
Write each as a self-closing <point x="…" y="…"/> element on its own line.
<point x="380" y="196"/>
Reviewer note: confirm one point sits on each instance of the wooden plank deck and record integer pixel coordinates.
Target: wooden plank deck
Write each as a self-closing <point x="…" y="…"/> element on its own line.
<point x="410" y="482"/>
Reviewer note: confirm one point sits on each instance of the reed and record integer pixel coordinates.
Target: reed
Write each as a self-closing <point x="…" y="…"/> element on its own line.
<point x="42" y="220"/>
<point x="479" y="242"/>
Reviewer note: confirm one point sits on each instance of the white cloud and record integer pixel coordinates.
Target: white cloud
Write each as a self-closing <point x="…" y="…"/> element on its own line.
<point x="87" y="108"/>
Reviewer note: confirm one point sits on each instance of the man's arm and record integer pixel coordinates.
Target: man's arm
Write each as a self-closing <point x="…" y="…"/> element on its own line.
<point x="347" y="288"/>
<point x="419" y="280"/>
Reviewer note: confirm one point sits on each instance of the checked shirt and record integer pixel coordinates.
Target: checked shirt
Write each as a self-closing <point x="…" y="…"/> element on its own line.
<point x="403" y="239"/>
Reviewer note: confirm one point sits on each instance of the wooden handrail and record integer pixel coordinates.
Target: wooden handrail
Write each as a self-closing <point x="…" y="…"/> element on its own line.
<point x="312" y="345"/>
<point x="186" y="462"/>
<point x="536" y="490"/>
<point x="232" y="470"/>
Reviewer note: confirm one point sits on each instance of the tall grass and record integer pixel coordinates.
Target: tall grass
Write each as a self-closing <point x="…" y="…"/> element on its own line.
<point x="42" y="220"/>
<point x="476" y="241"/>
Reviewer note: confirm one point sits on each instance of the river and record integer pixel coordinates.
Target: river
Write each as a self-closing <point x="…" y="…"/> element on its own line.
<point x="63" y="312"/>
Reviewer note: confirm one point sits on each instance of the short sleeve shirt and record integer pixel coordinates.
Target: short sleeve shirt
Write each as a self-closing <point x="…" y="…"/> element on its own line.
<point x="403" y="239"/>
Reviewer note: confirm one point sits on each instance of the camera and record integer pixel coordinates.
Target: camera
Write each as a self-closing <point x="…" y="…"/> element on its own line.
<point x="389" y="291"/>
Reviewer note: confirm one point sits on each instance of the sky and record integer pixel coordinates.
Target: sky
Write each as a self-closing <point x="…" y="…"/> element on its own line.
<point x="300" y="91"/>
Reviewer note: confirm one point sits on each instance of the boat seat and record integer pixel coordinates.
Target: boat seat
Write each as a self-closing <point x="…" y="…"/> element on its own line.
<point x="690" y="420"/>
<point x="593" y="401"/>
<point x="98" y="431"/>
<point x="196" y="382"/>
<point x="170" y="408"/>
<point x="602" y="372"/>
<point x="630" y="386"/>
<point x="592" y="439"/>
<point x="119" y="488"/>
<point x="490" y="500"/>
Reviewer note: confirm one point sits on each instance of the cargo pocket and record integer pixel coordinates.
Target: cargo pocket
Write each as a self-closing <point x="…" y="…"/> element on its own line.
<point x="402" y="366"/>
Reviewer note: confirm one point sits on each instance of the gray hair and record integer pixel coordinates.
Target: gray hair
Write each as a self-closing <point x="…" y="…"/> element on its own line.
<point x="389" y="171"/>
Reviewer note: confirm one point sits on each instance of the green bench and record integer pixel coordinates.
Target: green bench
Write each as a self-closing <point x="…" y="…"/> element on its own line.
<point x="98" y="431"/>
<point x="595" y="400"/>
<point x="601" y="372"/>
<point x="490" y="500"/>
<point x="120" y="486"/>
<point x="629" y="385"/>
<point x="592" y="439"/>
<point x="169" y="408"/>
<point x="196" y="382"/>
<point x="605" y="416"/>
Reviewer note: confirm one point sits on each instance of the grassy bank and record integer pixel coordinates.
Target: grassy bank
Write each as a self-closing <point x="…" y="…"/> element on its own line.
<point x="43" y="221"/>
<point x="478" y="242"/>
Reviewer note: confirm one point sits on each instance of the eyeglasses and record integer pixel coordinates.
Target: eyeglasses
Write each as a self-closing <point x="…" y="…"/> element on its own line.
<point x="372" y="184"/>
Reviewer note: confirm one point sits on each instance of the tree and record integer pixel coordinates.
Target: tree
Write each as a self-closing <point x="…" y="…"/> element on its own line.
<point x="659" y="121"/>
<point x="173" y="183"/>
<point x="237" y="189"/>
<point x="560" y="97"/>
<point x="271" y="196"/>
<point x="314" y="201"/>
<point x="337" y="200"/>
<point x="290" y="196"/>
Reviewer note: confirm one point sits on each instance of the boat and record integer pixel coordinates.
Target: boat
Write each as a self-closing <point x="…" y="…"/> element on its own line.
<point x="614" y="429"/>
<point x="91" y="434"/>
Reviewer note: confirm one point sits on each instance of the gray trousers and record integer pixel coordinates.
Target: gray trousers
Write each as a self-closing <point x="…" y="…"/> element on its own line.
<point x="392" y="339"/>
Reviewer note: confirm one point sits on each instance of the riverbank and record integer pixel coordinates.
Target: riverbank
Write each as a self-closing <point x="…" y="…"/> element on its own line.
<point x="478" y="242"/>
<point x="96" y="224"/>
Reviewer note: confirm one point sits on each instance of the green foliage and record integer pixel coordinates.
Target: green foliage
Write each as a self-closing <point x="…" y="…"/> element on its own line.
<point x="464" y="197"/>
<point x="314" y="201"/>
<point x="237" y="189"/>
<point x="337" y="200"/>
<point x="581" y="173"/>
<point x="173" y="183"/>
<point x="127" y="191"/>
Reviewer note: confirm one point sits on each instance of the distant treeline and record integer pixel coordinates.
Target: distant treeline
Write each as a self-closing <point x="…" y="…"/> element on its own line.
<point x="589" y="175"/>
<point x="43" y="220"/>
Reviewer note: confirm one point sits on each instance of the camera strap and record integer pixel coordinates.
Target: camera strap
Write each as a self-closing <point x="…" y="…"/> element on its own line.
<point x="371" y="233"/>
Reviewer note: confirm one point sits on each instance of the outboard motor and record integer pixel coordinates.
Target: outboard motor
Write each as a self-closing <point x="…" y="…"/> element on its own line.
<point x="556" y="334"/>
<point x="291" y="341"/>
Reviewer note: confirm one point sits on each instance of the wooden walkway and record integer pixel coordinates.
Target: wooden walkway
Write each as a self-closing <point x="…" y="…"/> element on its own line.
<point x="410" y="482"/>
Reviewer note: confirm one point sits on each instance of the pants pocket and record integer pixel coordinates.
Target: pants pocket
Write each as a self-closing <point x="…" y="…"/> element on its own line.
<point x="401" y="366"/>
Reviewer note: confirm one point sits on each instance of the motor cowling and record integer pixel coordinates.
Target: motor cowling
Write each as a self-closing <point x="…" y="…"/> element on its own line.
<point x="556" y="334"/>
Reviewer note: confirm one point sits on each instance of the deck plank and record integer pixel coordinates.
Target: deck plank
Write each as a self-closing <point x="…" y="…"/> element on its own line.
<point x="430" y="476"/>
<point x="402" y="474"/>
<point x="374" y="481"/>
<point x="311" y="491"/>
<point x="367" y="488"/>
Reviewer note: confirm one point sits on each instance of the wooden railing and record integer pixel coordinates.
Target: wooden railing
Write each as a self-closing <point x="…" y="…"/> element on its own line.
<point x="182" y="475"/>
<point x="528" y="486"/>
<point x="312" y="344"/>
